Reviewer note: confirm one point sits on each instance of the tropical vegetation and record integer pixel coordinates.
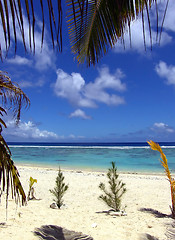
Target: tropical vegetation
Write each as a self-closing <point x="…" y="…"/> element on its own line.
<point x="59" y="189"/>
<point x="113" y="195"/>
<point x="12" y="98"/>
<point x="94" y="26"/>
<point x="164" y="163"/>
<point x="31" y="188"/>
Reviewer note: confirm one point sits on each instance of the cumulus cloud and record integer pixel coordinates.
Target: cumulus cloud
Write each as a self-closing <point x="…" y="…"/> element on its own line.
<point x="79" y="114"/>
<point x="167" y="72"/>
<point x="27" y="131"/>
<point x="73" y="87"/>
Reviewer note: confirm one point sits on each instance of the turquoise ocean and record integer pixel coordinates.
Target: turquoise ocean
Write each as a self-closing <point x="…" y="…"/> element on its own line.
<point x="129" y="157"/>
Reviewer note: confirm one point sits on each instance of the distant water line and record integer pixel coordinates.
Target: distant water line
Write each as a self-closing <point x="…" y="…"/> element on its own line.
<point x="129" y="157"/>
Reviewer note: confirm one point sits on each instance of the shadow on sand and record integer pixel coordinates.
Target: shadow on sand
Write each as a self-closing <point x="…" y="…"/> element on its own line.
<point x="148" y="237"/>
<point x="155" y="213"/>
<point x="53" y="232"/>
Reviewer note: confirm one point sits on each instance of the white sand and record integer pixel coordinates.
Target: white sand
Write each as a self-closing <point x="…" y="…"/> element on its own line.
<point x="83" y="210"/>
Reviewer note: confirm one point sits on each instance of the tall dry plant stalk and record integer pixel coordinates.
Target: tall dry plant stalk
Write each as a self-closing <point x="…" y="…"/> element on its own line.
<point x="164" y="163"/>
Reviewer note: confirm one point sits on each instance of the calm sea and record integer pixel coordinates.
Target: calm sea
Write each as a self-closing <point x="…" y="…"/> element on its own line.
<point x="134" y="157"/>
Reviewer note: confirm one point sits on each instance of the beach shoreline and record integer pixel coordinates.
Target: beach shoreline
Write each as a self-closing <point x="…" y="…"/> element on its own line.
<point x="147" y="203"/>
<point x="89" y="169"/>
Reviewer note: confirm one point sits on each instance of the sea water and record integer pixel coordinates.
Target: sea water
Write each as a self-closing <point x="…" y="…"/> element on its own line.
<point x="129" y="157"/>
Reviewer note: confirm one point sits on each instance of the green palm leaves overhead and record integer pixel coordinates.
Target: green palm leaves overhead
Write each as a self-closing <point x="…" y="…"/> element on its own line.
<point x="96" y="25"/>
<point x="14" y="98"/>
<point x="14" y="14"/>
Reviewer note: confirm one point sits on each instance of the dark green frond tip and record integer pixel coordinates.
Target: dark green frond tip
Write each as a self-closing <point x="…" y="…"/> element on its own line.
<point x="12" y="96"/>
<point x="13" y="14"/>
<point x="9" y="175"/>
<point x="96" y="26"/>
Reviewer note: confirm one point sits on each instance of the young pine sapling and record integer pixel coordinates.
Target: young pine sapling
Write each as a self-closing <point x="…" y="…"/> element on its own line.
<point x="59" y="189"/>
<point x="116" y="189"/>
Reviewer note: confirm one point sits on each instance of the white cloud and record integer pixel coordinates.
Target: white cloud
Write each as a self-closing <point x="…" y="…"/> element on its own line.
<point x="80" y="114"/>
<point x="167" y="72"/>
<point x="43" y="59"/>
<point x="162" y="127"/>
<point x="169" y="23"/>
<point x="78" y="93"/>
<point x="27" y="130"/>
<point x="137" y="39"/>
<point x="28" y="84"/>
<point x="19" y="60"/>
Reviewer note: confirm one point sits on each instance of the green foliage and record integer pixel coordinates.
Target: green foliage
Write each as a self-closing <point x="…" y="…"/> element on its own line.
<point x="31" y="188"/>
<point x="13" y="98"/>
<point x="9" y="175"/>
<point x="59" y="189"/>
<point x="94" y="26"/>
<point x="116" y="189"/>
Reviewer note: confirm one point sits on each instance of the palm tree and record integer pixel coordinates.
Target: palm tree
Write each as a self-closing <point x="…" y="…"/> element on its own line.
<point x="14" y="98"/>
<point x="97" y="25"/>
<point x="94" y="25"/>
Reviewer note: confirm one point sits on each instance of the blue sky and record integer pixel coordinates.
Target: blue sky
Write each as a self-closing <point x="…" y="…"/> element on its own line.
<point x="128" y="96"/>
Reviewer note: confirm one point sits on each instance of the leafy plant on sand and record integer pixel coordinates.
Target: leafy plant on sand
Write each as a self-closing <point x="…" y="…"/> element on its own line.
<point x="31" y="188"/>
<point x="14" y="98"/>
<point x="59" y="189"/>
<point x="164" y="163"/>
<point x="117" y="188"/>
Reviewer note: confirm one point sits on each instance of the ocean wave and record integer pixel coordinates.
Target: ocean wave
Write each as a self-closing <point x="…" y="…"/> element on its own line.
<point x="88" y="147"/>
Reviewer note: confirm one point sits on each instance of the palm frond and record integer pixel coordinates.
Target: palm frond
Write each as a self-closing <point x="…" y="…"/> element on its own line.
<point x="12" y="95"/>
<point x="17" y="11"/>
<point x="97" y="25"/>
<point x="164" y="162"/>
<point x="9" y="175"/>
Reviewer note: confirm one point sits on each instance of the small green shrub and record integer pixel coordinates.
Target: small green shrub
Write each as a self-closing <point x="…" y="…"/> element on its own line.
<point x="59" y="189"/>
<point x="116" y="189"/>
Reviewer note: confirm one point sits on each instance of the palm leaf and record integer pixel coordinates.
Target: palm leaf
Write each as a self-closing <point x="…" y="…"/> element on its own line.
<point x="9" y="175"/>
<point x="97" y="25"/>
<point x="15" y="98"/>
<point x="164" y="163"/>
<point x="12" y="95"/>
<point x="17" y="10"/>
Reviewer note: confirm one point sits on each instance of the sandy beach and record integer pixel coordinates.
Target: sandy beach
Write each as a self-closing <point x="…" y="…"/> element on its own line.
<point x="147" y="203"/>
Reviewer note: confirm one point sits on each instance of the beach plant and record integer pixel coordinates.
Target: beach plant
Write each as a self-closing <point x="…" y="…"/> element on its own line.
<point x="12" y="98"/>
<point x="164" y="163"/>
<point x="59" y="189"/>
<point x="112" y="197"/>
<point x="31" y="188"/>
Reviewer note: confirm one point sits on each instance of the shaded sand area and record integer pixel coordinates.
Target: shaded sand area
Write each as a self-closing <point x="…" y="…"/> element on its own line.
<point x="147" y="200"/>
